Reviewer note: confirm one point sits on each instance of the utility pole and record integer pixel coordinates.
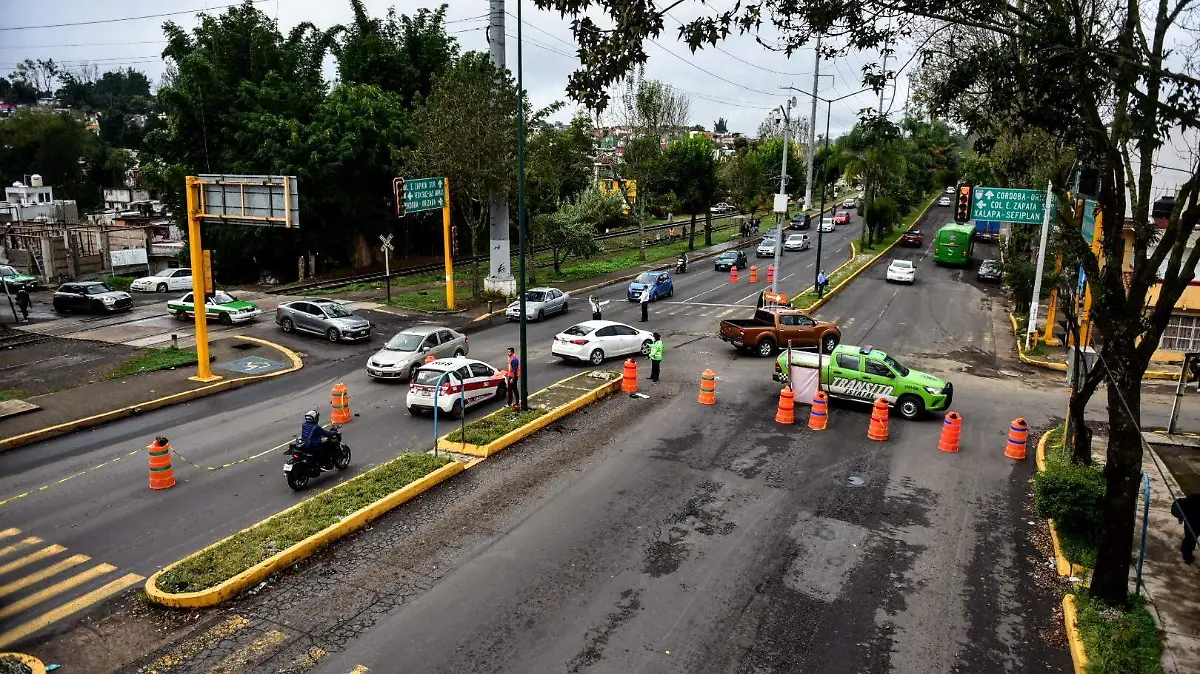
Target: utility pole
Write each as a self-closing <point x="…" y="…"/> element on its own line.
<point x="521" y="233"/>
<point x="812" y="124"/>
<point x="884" y="87"/>
<point x="500" y="276"/>
<point x="781" y="200"/>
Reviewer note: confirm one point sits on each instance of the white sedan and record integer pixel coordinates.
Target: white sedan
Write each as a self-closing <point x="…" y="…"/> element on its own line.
<point x="944" y="201"/>
<point x="901" y="271"/>
<point x="796" y="242"/>
<point x="593" y="341"/>
<point x="164" y="281"/>
<point x="464" y="382"/>
<point x="826" y="225"/>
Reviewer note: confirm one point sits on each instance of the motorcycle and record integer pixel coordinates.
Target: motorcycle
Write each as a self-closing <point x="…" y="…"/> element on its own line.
<point x="303" y="465"/>
<point x="681" y="265"/>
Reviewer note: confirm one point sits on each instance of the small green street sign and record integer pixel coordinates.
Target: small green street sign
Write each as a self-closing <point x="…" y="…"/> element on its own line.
<point x="1022" y="207"/>
<point x="424" y="194"/>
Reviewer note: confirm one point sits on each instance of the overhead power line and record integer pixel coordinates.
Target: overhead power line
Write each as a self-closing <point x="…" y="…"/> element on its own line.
<point x="78" y="44"/>
<point x="126" y="18"/>
<point x="709" y="72"/>
<point x="544" y="32"/>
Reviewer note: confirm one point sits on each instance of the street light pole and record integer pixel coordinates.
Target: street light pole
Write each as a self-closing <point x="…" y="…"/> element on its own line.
<point x="812" y="125"/>
<point x="824" y="175"/>
<point x="780" y="216"/>
<point x="523" y="372"/>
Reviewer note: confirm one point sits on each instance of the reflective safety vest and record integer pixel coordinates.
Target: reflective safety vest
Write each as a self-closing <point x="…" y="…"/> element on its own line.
<point x="656" y="350"/>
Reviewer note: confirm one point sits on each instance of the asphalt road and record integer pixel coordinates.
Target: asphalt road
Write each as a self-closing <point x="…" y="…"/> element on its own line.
<point x="107" y="512"/>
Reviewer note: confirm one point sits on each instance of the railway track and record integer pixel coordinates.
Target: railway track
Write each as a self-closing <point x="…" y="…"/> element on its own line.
<point x="301" y="288"/>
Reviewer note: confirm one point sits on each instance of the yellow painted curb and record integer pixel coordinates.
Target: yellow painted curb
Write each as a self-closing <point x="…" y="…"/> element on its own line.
<point x="174" y="399"/>
<point x="301" y="550"/>
<point x="1071" y="619"/>
<point x="516" y="435"/>
<point x="853" y="254"/>
<point x="1062" y="367"/>
<point x="35" y="666"/>
<point x="1061" y="564"/>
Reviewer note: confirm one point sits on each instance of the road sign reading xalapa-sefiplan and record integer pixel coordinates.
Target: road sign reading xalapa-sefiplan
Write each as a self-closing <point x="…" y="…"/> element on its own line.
<point x="424" y="194"/>
<point x="1023" y="207"/>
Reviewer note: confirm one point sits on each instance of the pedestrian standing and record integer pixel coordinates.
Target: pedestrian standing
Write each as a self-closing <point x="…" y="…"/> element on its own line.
<point x="1187" y="511"/>
<point x="512" y="390"/>
<point x="645" y="301"/>
<point x="596" y="305"/>
<point x="822" y="281"/>
<point x="656" y="353"/>
<point x="23" y="302"/>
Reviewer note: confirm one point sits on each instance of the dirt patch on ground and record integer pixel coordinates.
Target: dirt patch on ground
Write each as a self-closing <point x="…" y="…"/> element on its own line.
<point x="57" y="363"/>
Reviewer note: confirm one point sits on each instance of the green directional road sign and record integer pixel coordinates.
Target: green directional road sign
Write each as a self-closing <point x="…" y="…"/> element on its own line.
<point x="424" y="194"/>
<point x="1023" y="207"/>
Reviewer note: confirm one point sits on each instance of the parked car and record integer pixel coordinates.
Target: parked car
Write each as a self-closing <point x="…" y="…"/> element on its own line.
<point x="470" y="381"/>
<point x="800" y="221"/>
<point x="766" y="248"/>
<point x="659" y="282"/>
<point x="775" y="326"/>
<point x="826" y="225"/>
<point x="723" y="207"/>
<point x="902" y="271"/>
<point x="594" y="341"/>
<point x="14" y="280"/>
<point x="841" y="218"/>
<point x="796" y="242"/>
<point x="912" y="237"/>
<point x="224" y="307"/>
<point x="164" y="281"/>
<point x="944" y="201"/>
<point x="90" y="296"/>
<point x="404" y="353"/>
<point x="850" y="203"/>
<point x="539" y="303"/>
<point x="730" y="258"/>
<point x="322" y="317"/>
<point x="989" y="271"/>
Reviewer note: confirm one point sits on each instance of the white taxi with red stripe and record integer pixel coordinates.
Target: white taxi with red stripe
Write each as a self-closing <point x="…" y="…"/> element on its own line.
<point x="463" y="382"/>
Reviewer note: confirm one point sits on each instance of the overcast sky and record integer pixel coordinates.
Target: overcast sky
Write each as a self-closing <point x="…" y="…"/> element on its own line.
<point x="741" y="84"/>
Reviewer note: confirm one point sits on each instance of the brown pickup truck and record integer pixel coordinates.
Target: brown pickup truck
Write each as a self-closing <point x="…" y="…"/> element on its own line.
<point x="774" y="327"/>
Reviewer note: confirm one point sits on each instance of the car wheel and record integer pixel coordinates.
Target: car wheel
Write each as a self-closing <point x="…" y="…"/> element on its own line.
<point x="458" y="353"/>
<point x="333" y="335"/>
<point x="60" y="308"/>
<point x="671" y="292"/>
<point x="829" y="343"/>
<point x="226" y="319"/>
<point x="97" y="307"/>
<point x="287" y="325"/>
<point x="500" y="392"/>
<point x="541" y="315"/>
<point x="414" y="410"/>
<point x="162" y="288"/>
<point x="566" y="305"/>
<point x="645" y="350"/>
<point x="910" y="407"/>
<point x="412" y="372"/>
<point x="597" y="357"/>
<point x="456" y="410"/>
<point x="181" y="314"/>
<point x="766" y="348"/>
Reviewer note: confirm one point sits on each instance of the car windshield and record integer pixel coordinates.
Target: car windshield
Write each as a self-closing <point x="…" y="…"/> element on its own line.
<point x="335" y="310"/>
<point x="98" y="289"/>
<point x="646" y="278"/>
<point x="165" y="272"/>
<point x="404" y="341"/>
<point x="796" y="238"/>
<point x="535" y="296"/>
<point x="728" y="255"/>
<point x="222" y="297"/>
<point x="578" y="330"/>
<point x="913" y="232"/>
<point x="8" y="271"/>
<point x="895" y="365"/>
<point x="902" y="264"/>
<point x="430" y="377"/>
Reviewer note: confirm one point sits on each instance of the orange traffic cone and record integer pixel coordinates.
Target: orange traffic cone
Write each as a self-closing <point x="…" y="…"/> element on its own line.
<point x="770" y="273"/>
<point x="754" y="273"/>
<point x="341" y="405"/>
<point x="818" y="418"/>
<point x="162" y="476"/>
<point x="1018" y="433"/>
<point x="708" y="388"/>
<point x="878" y="430"/>
<point x="733" y="277"/>
<point x="786" y="414"/>
<point x="951" y="428"/>
<point x="629" y="377"/>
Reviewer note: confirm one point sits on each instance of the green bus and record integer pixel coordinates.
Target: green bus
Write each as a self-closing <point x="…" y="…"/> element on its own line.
<point x="954" y="243"/>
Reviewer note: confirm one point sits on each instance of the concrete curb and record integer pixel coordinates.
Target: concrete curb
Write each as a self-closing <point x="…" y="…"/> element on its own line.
<point x="853" y="254"/>
<point x="1071" y="619"/>
<point x="124" y="412"/>
<point x="302" y="550"/>
<point x="35" y="666"/>
<point x="1062" y="367"/>
<point x="516" y="435"/>
<point x="1061" y="564"/>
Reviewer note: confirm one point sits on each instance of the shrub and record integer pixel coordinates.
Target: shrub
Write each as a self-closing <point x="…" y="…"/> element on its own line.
<point x="119" y="282"/>
<point x="1118" y="642"/>
<point x="1072" y="495"/>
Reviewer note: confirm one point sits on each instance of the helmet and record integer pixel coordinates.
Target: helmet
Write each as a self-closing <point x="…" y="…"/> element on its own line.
<point x="312" y="416"/>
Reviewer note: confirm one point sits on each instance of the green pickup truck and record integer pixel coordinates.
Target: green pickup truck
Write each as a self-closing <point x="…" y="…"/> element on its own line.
<point x="865" y="373"/>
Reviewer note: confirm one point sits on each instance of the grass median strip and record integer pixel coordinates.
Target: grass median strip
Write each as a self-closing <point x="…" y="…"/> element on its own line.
<point x="495" y="426"/>
<point x="243" y="550"/>
<point x="1118" y="641"/>
<point x="152" y="360"/>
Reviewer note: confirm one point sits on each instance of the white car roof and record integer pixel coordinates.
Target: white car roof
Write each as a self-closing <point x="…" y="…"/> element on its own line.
<point x="445" y="364"/>
<point x="902" y="263"/>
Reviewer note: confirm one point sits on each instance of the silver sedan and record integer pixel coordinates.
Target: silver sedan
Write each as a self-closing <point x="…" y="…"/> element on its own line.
<point x="539" y="303"/>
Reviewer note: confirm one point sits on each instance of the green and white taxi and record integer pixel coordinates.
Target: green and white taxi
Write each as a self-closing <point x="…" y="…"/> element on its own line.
<point x="221" y="306"/>
<point x="864" y="373"/>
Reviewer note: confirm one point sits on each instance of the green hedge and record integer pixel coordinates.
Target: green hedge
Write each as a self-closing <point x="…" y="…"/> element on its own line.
<point x="119" y="282"/>
<point x="1118" y="641"/>
<point x="1073" y="496"/>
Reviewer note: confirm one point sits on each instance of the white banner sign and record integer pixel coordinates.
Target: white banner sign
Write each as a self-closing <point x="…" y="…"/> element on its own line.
<point x="128" y="257"/>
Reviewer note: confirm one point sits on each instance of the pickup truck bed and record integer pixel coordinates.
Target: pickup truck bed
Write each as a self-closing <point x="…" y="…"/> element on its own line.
<point x="774" y="327"/>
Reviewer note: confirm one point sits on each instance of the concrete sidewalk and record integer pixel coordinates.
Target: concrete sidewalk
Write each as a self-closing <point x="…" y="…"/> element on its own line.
<point x="1172" y="585"/>
<point x="237" y="360"/>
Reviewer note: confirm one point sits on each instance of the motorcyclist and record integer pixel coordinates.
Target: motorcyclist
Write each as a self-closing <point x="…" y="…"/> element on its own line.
<point x="313" y="435"/>
<point x="682" y="263"/>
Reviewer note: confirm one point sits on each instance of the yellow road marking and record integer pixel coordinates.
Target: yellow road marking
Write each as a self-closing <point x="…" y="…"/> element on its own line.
<point x="54" y="590"/>
<point x="361" y="669"/>
<point x="38" y="577"/>
<point x="15" y="497"/>
<point x="241" y="659"/>
<point x="188" y="649"/>
<point x="45" y="552"/>
<point x="307" y="661"/>
<point x="8" y="550"/>
<point x="58" y="613"/>
<point x="11" y="531"/>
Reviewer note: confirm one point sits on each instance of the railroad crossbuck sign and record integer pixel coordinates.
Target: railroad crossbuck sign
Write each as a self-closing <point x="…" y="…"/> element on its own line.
<point x="1023" y="207"/>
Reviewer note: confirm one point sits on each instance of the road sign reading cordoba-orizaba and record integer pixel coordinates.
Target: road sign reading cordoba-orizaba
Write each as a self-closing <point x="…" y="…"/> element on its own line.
<point x="424" y="194"/>
<point x="1025" y="207"/>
